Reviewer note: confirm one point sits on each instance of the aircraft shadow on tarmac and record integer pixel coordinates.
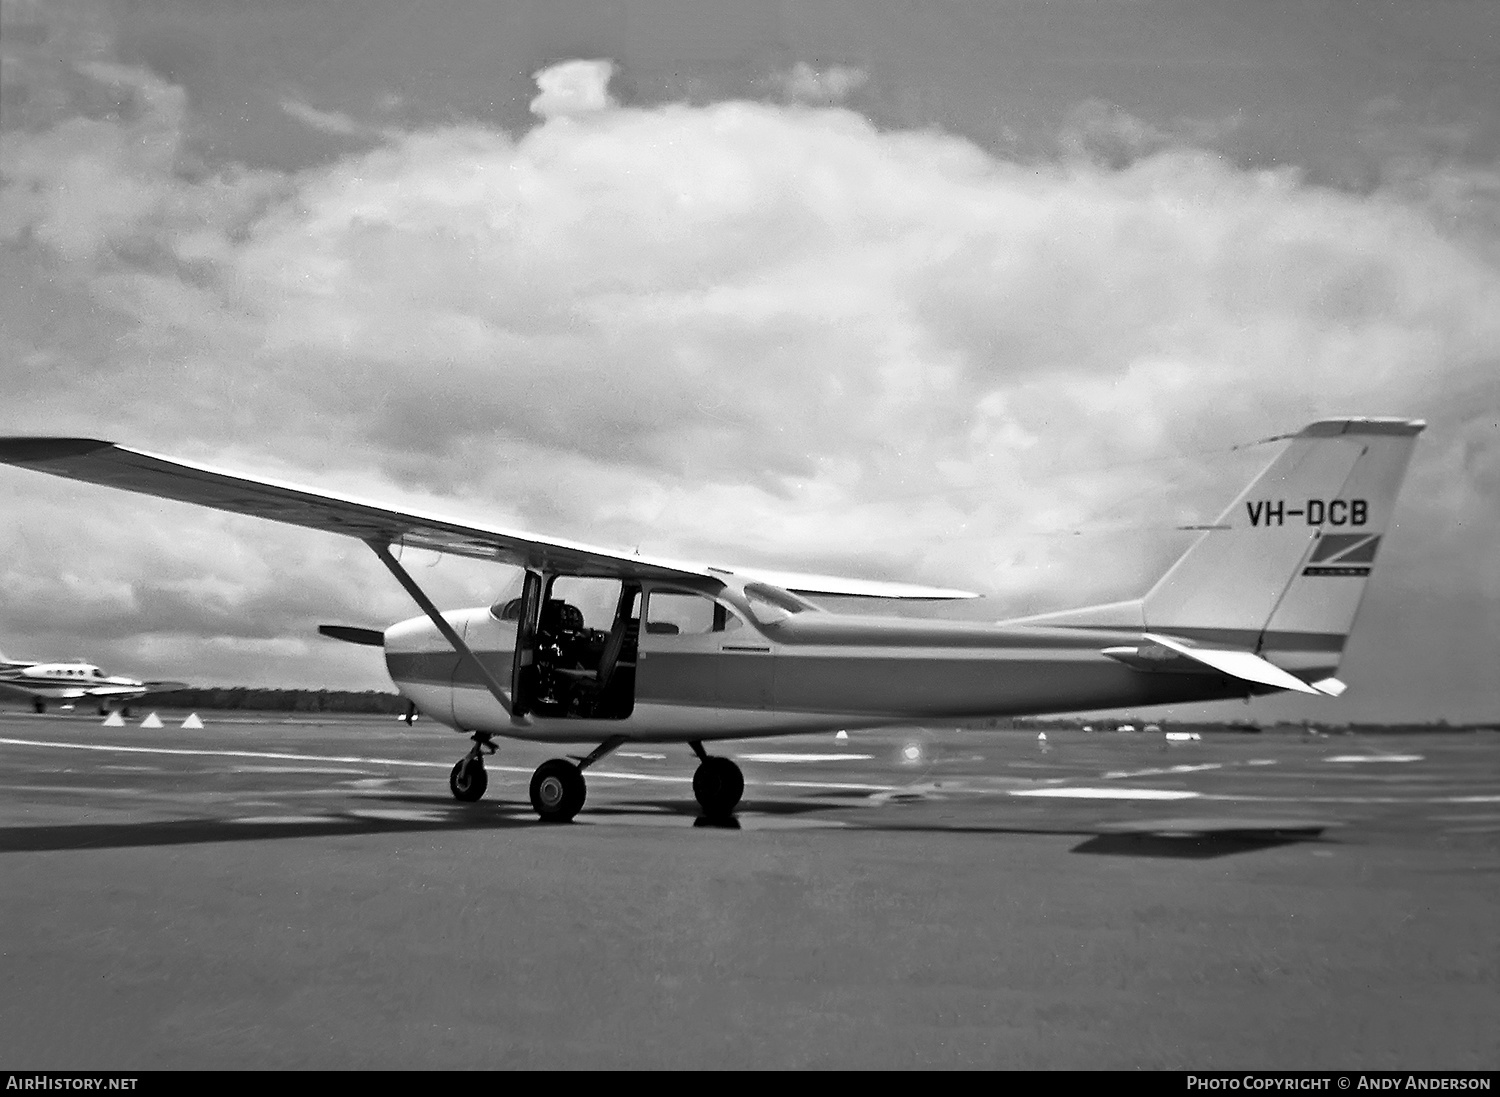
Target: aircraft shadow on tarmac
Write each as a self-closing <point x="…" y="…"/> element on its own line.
<point x="1192" y="846"/>
<point x="191" y="831"/>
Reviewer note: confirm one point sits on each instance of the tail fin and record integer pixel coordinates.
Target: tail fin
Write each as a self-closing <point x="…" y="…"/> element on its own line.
<point x="1287" y="563"/>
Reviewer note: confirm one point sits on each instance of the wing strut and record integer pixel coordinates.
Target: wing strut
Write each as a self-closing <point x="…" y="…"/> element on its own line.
<point x="383" y="550"/>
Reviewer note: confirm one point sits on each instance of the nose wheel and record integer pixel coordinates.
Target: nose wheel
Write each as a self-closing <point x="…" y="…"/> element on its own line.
<point x="468" y="779"/>
<point x="718" y="784"/>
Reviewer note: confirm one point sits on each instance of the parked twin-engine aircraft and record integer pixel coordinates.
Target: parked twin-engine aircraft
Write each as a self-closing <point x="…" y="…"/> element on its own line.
<point x="602" y="647"/>
<point x="68" y="682"/>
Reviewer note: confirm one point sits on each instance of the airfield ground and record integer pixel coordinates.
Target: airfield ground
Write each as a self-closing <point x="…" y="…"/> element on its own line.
<point x="270" y="893"/>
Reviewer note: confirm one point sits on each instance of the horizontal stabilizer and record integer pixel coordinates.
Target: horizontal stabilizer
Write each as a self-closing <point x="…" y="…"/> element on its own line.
<point x="1244" y="665"/>
<point x="350" y="635"/>
<point x="1163" y="653"/>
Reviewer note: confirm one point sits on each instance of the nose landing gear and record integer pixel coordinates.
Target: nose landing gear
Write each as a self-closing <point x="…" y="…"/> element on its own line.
<point x="468" y="779"/>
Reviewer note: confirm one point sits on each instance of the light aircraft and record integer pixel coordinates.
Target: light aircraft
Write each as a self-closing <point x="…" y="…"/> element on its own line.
<point x="75" y="681"/>
<point x="602" y="647"/>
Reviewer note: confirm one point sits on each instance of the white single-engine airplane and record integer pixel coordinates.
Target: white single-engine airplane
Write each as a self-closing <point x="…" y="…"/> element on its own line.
<point x="604" y="647"/>
<point x="76" y="681"/>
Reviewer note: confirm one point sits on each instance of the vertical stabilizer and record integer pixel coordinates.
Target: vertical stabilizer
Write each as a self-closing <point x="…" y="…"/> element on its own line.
<point x="1287" y="563"/>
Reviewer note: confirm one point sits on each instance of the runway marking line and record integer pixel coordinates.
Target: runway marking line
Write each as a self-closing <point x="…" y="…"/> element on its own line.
<point x="232" y="754"/>
<point x="1115" y="793"/>
<point x="285" y="757"/>
<point x="773" y="756"/>
<point x="1358" y="799"/>
<point x="1159" y="771"/>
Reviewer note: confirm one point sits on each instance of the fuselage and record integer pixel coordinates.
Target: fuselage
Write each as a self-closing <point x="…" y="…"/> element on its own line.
<point x="754" y="669"/>
<point x="69" y="680"/>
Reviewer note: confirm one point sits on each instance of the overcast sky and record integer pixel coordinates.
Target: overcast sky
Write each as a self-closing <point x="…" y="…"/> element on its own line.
<point x="974" y="294"/>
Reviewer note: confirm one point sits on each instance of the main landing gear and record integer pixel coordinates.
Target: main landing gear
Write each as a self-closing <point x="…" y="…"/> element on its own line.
<point x="558" y="789"/>
<point x="718" y="783"/>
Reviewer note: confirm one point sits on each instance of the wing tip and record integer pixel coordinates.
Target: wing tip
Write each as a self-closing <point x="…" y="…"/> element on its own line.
<point x="1332" y="428"/>
<point x="34" y="450"/>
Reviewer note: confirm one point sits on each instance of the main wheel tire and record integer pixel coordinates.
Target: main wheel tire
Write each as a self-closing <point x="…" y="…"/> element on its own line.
<point x="468" y="780"/>
<point x="557" y="790"/>
<point x="718" y="784"/>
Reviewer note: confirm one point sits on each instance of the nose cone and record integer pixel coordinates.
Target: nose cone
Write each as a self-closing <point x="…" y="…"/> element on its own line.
<point x="415" y="651"/>
<point x="412" y="635"/>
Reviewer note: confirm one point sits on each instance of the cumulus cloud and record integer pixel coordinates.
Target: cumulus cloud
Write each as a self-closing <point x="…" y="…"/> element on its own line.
<point x="829" y="84"/>
<point x="573" y="87"/>
<point x="738" y="331"/>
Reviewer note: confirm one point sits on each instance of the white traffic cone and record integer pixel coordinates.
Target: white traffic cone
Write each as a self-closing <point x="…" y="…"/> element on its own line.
<point x="114" y="720"/>
<point x="192" y="721"/>
<point x="152" y="721"/>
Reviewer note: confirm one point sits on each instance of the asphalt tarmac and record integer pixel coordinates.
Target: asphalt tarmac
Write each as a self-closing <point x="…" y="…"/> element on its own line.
<point x="271" y="894"/>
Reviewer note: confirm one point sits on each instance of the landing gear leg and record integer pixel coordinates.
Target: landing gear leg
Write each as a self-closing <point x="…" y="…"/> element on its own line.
<point x="40" y="705"/>
<point x="468" y="780"/>
<point x="557" y="787"/>
<point x="718" y="783"/>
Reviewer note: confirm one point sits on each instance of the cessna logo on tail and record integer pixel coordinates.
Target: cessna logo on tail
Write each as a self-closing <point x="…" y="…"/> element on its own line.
<point x="1316" y="512"/>
<point x="1347" y="554"/>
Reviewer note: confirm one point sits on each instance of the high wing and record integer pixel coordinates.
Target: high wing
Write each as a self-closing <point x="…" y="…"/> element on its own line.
<point x="105" y="463"/>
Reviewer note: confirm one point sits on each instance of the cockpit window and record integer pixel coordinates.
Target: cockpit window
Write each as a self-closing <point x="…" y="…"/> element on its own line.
<point x="771" y="604"/>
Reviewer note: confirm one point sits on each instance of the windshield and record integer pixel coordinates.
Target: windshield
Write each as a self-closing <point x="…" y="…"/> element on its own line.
<point x="507" y="607"/>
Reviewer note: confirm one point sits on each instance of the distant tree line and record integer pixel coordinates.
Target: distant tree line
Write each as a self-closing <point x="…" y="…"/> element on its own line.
<point x="279" y="700"/>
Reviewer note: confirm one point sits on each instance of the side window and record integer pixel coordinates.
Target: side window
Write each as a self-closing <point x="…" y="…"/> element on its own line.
<point x="678" y="613"/>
